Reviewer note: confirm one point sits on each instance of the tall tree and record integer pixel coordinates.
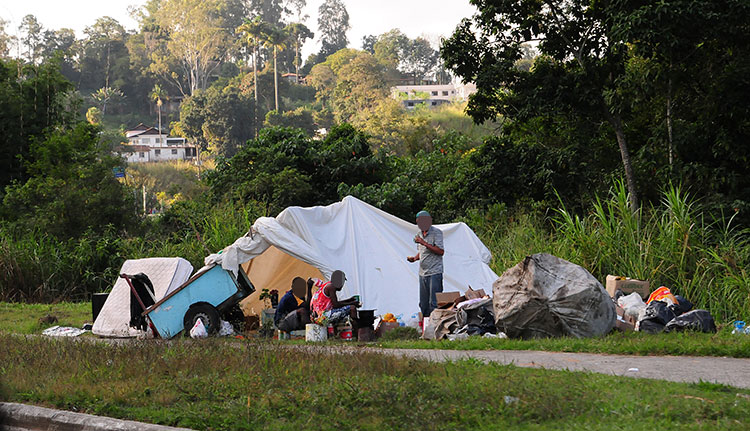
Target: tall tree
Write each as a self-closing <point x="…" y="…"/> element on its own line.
<point x="271" y="11"/>
<point x="32" y="100"/>
<point x="297" y="6"/>
<point x="198" y="42"/>
<point x="32" y="36"/>
<point x="298" y="32"/>
<point x="157" y="94"/>
<point x="580" y="75"/>
<point x="105" y="35"/>
<point x="333" y="23"/>
<point x="276" y="38"/>
<point x="253" y="31"/>
<point x="6" y="40"/>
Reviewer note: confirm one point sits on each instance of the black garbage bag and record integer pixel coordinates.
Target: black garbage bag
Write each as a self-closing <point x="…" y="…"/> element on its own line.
<point x="682" y="306"/>
<point x="655" y="317"/>
<point x="479" y="316"/>
<point x="696" y="320"/>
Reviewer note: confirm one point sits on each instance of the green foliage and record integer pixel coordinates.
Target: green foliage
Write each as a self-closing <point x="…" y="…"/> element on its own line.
<point x="300" y="118"/>
<point x="219" y="119"/>
<point x="71" y="189"/>
<point x="671" y="245"/>
<point x="32" y="99"/>
<point x="38" y="267"/>
<point x="284" y="167"/>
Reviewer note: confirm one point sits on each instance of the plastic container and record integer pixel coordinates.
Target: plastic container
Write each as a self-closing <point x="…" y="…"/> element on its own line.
<point x="346" y="334"/>
<point x="315" y="333"/>
<point x="740" y="327"/>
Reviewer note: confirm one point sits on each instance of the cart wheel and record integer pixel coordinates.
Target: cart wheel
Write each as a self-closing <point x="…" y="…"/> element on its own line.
<point x="204" y="311"/>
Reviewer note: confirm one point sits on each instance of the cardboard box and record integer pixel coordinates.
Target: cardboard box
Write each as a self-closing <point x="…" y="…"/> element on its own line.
<point x="627" y="286"/>
<point x="624" y="326"/>
<point x="474" y="294"/>
<point x="621" y="314"/>
<point x="384" y="327"/>
<point x="447" y="298"/>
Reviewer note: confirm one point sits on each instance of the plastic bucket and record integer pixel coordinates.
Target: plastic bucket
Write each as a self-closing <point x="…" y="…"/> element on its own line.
<point x="315" y="332"/>
<point x="346" y="334"/>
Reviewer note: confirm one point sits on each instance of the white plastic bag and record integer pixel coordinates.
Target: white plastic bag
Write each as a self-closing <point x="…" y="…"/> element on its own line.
<point x="413" y="321"/>
<point x="199" y="330"/>
<point x="632" y="304"/>
<point x="226" y="328"/>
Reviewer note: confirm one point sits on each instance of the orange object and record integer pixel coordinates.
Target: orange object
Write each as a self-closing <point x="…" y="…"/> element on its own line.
<point x="662" y="294"/>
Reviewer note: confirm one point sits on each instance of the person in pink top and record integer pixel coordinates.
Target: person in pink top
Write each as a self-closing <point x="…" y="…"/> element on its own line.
<point x="325" y="307"/>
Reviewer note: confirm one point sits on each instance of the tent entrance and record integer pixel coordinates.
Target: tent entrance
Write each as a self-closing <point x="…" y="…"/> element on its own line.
<point x="274" y="269"/>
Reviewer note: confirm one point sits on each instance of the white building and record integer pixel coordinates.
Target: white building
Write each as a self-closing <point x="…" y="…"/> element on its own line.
<point x="432" y="95"/>
<point x="148" y="144"/>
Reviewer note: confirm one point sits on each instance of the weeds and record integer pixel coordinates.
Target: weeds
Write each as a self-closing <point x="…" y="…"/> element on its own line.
<point x="214" y="384"/>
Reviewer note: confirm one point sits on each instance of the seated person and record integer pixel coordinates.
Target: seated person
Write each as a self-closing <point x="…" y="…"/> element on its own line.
<point x="293" y="311"/>
<point x="325" y="307"/>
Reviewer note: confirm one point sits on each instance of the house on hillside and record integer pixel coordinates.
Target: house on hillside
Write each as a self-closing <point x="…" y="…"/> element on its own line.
<point x="432" y="95"/>
<point x="149" y="144"/>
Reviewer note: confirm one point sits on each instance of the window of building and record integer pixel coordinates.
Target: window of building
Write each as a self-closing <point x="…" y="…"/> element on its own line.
<point x="174" y="151"/>
<point x="157" y="152"/>
<point x="158" y="140"/>
<point x="434" y="93"/>
<point x="434" y="103"/>
<point x="445" y="93"/>
<point x="409" y="103"/>
<point x="141" y="155"/>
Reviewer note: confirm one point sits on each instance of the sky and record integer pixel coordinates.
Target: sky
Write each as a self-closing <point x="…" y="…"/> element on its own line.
<point x="432" y="18"/>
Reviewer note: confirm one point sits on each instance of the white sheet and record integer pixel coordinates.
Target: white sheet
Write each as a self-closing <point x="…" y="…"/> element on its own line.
<point x="370" y="246"/>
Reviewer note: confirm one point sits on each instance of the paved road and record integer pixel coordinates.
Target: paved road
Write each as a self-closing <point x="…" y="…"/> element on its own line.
<point x="729" y="371"/>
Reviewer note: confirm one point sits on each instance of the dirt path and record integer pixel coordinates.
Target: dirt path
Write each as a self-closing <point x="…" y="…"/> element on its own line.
<point x="692" y="369"/>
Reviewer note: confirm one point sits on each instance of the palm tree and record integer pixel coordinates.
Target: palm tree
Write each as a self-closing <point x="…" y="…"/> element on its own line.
<point x="157" y="94"/>
<point x="298" y="32"/>
<point x="277" y="39"/>
<point x="254" y="32"/>
<point x="253" y="35"/>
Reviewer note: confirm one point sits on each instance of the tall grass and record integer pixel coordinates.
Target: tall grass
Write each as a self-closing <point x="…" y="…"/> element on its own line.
<point x="670" y="244"/>
<point x="37" y="267"/>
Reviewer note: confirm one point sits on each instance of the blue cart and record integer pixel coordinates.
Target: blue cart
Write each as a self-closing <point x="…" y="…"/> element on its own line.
<point x="205" y="296"/>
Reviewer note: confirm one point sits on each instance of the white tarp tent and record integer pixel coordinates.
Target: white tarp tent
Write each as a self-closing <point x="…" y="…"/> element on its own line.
<point x="368" y="244"/>
<point x="165" y="274"/>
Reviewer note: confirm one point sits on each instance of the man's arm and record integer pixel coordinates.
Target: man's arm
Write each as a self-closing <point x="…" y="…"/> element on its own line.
<point x="433" y="248"/>
<point x="335" y="303"/>
<point x="413" y="258"/>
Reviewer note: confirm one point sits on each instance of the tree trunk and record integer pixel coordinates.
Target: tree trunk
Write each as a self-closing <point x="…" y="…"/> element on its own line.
<point x="275" y="80"/>
<point x="296" y="60"/>
<point x="616" y="122"/>
<point x="669" y="122"/>
<point x="255" y="84"/>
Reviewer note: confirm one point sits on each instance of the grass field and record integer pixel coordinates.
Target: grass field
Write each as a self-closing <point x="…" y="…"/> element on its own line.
<point x="27" y="319"/>
<point x="219" y="384"/>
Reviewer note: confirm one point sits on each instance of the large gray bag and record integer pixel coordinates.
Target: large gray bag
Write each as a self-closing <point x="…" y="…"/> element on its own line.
<point x="545" y="296"/>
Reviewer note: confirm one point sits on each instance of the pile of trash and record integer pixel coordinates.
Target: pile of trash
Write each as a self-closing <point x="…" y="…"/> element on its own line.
<point x="662" y="311"/>
<point x="460" y="316"/>
<point x="542" y="296"/>
<point x="545" y="296"/>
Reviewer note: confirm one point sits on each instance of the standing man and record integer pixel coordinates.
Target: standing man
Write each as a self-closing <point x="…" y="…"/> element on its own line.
<point x="430" y="256"/>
